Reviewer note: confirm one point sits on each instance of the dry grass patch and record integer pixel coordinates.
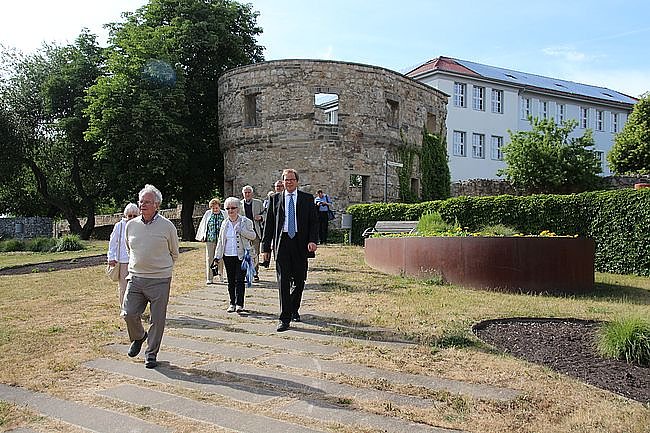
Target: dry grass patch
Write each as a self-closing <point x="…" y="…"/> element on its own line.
<point x="51" y="323"/>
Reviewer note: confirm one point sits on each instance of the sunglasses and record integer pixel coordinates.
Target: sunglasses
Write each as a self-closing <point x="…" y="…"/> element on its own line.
<point x="131" y="216"/>
<point x="231" y="208"/>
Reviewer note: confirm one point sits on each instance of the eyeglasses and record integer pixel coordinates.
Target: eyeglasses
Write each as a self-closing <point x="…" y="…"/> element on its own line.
<point x="147" y="202"/>
<point x="232" y="208"/>
<point x="131" y="216"/>
<point x="291" y="180"/>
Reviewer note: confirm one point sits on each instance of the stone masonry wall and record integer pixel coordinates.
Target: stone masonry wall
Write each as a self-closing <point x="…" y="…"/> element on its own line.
<point x="25" y="227"/>
<point x="268" y="122"/>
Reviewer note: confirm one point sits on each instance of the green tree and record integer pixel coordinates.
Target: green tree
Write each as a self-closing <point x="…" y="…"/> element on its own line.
<point x="43" y="96"/>
<point x="155" y="114"/>
<point x="436" y="179"/>
<point x="631" y="150"/>
<point x="547" y="160"/>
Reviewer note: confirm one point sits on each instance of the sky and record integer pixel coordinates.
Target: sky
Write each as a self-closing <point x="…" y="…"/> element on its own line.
<point x="592" y="42"/>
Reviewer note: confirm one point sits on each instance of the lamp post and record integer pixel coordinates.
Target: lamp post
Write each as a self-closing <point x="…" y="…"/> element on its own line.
<point x="386" y="165"/>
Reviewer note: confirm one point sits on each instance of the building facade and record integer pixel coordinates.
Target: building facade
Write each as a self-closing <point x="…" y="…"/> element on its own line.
<point x="488" y="101"/>
<point x="336" y="123"/>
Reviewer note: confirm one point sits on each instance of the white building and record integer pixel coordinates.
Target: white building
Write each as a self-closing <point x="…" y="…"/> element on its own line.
<point x="487" y="101"/>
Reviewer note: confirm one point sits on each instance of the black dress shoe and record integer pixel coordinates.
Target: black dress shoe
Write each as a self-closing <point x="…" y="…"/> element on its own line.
<point x="295" y="317"/>
<point x="151" y="363"/>
<point x="282" y="326"/>
<point x="136" y="346"/>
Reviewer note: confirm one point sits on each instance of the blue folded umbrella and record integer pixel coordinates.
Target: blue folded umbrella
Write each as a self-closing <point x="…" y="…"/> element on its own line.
<point x="248" y="266"/>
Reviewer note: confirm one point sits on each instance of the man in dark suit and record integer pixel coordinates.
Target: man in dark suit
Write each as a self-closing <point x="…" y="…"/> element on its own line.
<point x="291" y="229"/>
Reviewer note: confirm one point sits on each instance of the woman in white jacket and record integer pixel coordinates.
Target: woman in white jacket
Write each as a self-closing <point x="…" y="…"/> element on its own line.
<point x="117" y="252"/>
<point x="208" y="232"/>
<point x="234" y="239"/>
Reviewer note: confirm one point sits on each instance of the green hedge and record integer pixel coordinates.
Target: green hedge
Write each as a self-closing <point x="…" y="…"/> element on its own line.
<point x="618" y="220"/>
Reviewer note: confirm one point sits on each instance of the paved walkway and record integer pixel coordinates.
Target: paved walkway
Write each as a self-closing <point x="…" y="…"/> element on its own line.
<point x="235" y="373"/>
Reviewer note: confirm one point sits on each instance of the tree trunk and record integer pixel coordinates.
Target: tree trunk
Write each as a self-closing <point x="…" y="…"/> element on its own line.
<point x="186" y="219"/>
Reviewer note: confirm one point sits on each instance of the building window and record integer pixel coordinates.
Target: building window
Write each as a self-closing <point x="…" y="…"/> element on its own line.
<point x="478" y="98"/>
<point x="431" y="123"/>
<point x="392" y="113"/>
<point x="460" y="91"/>
<point x="601" y="158"/>
<point x="359" y="187"/>
<point x="252" y="110"/>
<point x="526" y="110"/>
<point x="478" y="146"/>
<point x="497" y="145"/>
<point x="543" y="109"/>
<point x="459" y="143"/>
<point x="614" y="122"/>
<point x="561" y="112"/>
<point x="584" y="117"/>
<point x="600" y="120"/>
<point x="326" y="108"/>
<point x="497" y="101"/>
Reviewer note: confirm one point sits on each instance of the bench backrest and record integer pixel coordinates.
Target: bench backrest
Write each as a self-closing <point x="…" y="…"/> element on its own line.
<point x="395" y="226"/>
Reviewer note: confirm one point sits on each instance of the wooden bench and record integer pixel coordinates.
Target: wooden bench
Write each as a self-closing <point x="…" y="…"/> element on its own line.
<point x="388" y="227"/>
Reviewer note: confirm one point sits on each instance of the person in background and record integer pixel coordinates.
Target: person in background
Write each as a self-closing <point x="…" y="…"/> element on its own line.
<point x="152" y="243"/>
<point x="253" y="209"/>
<point x="324" y="204"/>
<point x="291" y="229"/>
<point x="208" y="232"/>
<point x="117" y="253"/>
<point x="234" y="239"/>
<point x="278" y="186"/>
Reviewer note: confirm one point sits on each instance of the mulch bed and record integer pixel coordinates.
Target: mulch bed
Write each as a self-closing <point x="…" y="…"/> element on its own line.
<point x="58" y="265"/>
<point x="566" y="346"/>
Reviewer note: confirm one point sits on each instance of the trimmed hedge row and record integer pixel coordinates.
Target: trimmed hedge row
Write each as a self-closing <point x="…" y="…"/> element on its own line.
<point x="617" y="220"/>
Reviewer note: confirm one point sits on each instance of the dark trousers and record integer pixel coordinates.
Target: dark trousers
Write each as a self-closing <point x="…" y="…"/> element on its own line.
<point x="236" y="277"/>
<point x="323" y="226"/>
<point x="291" y="268"/>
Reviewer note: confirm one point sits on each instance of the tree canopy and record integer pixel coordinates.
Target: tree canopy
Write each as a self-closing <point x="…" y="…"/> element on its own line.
<point x="49" y="165"/>
<point x="155" y="112"/>
<point x="547" y="159"/>
<point x="631" y="150"/>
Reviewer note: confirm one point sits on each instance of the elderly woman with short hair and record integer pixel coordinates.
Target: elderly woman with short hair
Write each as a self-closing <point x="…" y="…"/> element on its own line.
<point x="117" y="252"/>
<point x="208" y="232"/>
<point x="234" y="239"/>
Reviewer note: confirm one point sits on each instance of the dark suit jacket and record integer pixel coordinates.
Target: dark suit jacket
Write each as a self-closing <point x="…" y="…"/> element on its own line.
<point x="306" y="217"/>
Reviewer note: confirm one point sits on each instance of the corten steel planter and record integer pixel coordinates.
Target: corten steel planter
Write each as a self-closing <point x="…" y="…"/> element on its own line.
<point x="521" y="264"/>
<point x="639" y="186"/>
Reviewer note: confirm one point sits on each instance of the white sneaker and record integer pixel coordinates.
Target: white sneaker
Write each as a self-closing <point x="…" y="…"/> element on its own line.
<point x="240" y="308"/>
<point x="209" y="282"/>
<point x="231" y="309"/>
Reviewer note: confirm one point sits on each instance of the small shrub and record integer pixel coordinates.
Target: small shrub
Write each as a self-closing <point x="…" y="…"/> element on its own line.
<point x="12" y="245"/>
<point x="431" y="223"/>
<point x="41" y="245"/>
<point x="69" y="243"/>
<point x="498" y="230"/>
<point x="626" y="339"/>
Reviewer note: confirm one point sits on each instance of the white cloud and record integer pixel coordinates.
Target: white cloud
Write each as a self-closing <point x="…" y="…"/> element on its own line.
<point x="328" y="54"/>
<point x="567" y="53"/>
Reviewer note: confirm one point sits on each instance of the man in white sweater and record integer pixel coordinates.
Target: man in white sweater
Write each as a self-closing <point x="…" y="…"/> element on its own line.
<point x="152" y="243"/>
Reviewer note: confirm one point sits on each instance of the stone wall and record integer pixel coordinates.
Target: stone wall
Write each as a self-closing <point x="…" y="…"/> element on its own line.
<point x="487" y="187"/>
<point x="25" y="227"/>
<point x="269" y="121"/>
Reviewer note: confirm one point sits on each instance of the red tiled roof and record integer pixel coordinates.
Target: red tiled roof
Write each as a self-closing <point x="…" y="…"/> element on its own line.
<point x="441" y="63"/>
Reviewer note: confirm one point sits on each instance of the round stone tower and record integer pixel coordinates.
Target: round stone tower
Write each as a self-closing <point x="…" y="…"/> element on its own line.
<point x="335" y="123"/>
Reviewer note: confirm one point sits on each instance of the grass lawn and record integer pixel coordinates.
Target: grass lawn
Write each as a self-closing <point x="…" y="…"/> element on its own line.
<point x="51" y="323"/>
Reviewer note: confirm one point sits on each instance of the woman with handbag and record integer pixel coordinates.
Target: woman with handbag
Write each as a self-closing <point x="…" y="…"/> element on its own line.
<point x="118" y="256"/>
<point x="233" y="243"/>
<point x="208" y="232"/>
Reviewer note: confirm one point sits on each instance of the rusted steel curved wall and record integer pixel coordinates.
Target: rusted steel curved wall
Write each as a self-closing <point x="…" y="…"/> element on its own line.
<point x="528" y="264"/>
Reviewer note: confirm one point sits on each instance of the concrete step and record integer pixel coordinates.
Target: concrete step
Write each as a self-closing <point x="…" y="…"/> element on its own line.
<point x="90" y="418"/>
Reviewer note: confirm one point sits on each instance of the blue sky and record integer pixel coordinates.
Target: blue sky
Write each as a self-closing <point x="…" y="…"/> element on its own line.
<point x="592" y="42"/>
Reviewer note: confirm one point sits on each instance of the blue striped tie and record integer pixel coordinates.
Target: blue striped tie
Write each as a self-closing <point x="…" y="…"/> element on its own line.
<point x="291" y="214"/>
